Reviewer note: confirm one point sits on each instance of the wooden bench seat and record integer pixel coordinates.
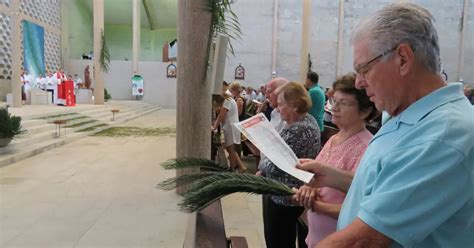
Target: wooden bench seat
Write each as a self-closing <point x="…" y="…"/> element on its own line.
<point x="209" y="230"/>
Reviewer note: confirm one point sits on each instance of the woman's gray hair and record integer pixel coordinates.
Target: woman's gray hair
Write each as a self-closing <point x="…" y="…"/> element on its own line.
<point x="402" y="23"/>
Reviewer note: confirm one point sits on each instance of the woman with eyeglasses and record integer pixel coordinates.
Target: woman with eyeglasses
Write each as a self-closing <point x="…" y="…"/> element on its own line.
<point x="351" y="108"/>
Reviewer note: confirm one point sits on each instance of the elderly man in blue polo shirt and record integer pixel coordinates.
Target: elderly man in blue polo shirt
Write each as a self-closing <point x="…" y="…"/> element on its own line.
<point x="414" y="187"/>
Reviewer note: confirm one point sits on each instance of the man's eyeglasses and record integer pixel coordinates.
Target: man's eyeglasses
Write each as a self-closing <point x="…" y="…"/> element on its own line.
<point x="362" y="70"/>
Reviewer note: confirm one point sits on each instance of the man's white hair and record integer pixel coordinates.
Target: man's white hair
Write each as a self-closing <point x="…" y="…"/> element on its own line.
<point x="402" y="23"/>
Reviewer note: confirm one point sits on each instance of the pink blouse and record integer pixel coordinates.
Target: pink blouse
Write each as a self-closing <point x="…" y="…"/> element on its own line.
<point x="345" y="156"/>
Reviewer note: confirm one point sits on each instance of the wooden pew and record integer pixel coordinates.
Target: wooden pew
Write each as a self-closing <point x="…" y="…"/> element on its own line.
<point x="209" y="230"/>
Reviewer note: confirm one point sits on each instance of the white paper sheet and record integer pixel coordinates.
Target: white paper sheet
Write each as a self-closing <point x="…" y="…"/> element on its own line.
<point x="261" y="133"/>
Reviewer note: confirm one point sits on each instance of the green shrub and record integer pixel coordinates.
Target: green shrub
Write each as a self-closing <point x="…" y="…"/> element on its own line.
<point x="10" y="126"/>
<point x="107" y="96"/>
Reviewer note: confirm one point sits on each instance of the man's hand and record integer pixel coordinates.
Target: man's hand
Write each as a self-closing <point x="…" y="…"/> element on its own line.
<point x="326" y="176"/>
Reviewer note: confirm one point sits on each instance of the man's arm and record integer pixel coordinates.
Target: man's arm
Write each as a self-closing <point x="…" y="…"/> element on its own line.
<point x="357" y="234"/>
<point x="327" y="176"/>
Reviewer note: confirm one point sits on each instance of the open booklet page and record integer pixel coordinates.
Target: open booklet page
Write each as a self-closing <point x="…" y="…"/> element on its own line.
<point x="261" y="133"/>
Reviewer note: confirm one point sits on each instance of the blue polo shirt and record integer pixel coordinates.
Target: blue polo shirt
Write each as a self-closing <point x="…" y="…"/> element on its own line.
<point x="318" y="99"/>
<point x="415" y="182"/>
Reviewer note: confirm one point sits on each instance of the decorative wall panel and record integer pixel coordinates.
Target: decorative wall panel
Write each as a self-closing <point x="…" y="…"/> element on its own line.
<point x="5" y="47"/>
<point x="52" y="49"/>
<point x="5" y="2"/>
<point x="46" y="11"/>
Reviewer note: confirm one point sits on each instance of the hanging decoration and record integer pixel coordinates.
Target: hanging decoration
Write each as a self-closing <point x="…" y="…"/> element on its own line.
<point x="171" y="70"/>
<point x="240" y="72"/>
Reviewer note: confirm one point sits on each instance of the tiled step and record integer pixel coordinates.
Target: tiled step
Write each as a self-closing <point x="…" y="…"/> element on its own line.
<point x="46" y="139"/>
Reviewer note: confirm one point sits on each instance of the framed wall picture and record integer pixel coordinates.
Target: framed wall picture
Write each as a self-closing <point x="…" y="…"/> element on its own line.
<point x="239" y="72"/>
<point x="171" y="71"/>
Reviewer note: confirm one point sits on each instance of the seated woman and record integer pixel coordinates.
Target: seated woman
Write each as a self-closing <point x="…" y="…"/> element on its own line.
<point x="350" y="110"/>
<point x="280" y="215"/>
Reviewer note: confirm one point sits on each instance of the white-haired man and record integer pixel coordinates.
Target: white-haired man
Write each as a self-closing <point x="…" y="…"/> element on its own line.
<point x="414" y="187"/>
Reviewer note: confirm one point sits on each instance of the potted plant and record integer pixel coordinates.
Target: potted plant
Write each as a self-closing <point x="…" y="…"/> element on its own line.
<point x="107" y="95"/>
<point x="10" y="126"/>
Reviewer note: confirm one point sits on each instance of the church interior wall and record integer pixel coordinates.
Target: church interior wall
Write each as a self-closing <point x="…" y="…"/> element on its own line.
<point x="119" y="42"/>
<point x="253" y="51"/>
<point x="80" y="22"/>
<point x="158" y="88"/>
<point x="256" y="23"/>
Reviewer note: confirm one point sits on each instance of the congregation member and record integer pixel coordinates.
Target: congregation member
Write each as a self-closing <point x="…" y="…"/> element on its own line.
<point x="351" y="110"/>
<point x="275" y="118"/>
<point x="301" y="133"/>
<point x="87" y="77"/>
<point x="225" y="119"/>
<point x="77" y="82"/>
<point x="40" y="82"/>
<point x="469" y="93"/>
<point x="414" y="186"/>
<point x="27" y="84"/>
<point x="235" y="90"/>
<point x="251" y="95"/>
<point x="52" y="86"/>
<point x="317" y="98"/>
<point x="261" y="94"/>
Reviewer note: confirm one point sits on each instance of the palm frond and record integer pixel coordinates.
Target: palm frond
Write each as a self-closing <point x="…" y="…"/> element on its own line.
<point x="224" y="21"/>
<point x="104" y="59"/>
<point x="181" y="163"/>
<point x="211" y="188"/>
<point x="178" y="181"/>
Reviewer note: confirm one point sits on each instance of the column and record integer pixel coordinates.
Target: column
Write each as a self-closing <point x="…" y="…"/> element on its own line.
<point x="340" y="39"/>
<point x="15" y="23"/>
<point x="193" y="106"/>
<point x="461" y="40"/>
<point x="136" y="35"/>
<point x="98" y="6"/>
<point x="274" y="37"/>
<point x="305" y="38"/>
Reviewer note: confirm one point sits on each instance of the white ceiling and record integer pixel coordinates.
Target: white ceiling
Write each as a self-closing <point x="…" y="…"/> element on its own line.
<point x="119" y="12"/>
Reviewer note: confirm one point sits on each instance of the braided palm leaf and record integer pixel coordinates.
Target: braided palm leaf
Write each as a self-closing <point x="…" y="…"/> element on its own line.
<point x="182" y="163"/>
<point x="178" y="181"/>
<point x="207" y="190"/>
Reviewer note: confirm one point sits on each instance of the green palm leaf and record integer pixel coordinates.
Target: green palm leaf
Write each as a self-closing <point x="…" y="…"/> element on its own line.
<point x="207" y="190"/>
<point x="178" y="181"/>
<point x="182" y="163"/>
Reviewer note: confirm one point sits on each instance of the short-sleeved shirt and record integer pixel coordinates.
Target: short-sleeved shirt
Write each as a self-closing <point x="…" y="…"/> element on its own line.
<point x="303" y="137"/>
<point x="415" y="182"/>
<point x="345" y="156"/>
<point x="317" y="108"/>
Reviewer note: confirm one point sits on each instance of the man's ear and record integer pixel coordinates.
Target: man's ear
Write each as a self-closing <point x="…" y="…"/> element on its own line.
<point x="406" y="58"/>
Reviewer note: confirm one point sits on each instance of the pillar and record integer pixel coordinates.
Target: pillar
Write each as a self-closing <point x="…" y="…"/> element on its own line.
<point x="136" y="35"/>
<point x="193" y="107"/>
<point x="16" y="52"/>
<point x="305" y="39"/>
<point x="98" y="6"/>
<point x="274" y="38"/>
